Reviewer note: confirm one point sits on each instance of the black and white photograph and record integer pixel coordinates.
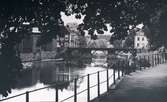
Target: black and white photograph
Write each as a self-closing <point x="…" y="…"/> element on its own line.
<point x="83" y="50"/>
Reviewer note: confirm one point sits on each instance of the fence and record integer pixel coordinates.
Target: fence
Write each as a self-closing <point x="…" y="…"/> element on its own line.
<point x="111" y="76"/>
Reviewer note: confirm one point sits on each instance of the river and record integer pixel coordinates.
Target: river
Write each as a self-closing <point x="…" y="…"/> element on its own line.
<point x="46" y="73"/>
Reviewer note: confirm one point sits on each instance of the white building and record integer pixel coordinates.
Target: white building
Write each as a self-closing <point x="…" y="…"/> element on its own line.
<point x="140" y="40"/>
<point x="74" y="33"/>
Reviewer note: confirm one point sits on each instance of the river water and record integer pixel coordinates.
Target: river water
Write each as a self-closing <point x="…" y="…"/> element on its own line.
<point x="43" y="74"/>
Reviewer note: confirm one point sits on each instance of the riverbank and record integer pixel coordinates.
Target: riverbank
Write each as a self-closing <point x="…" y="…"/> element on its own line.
<point x="28" y="57"/>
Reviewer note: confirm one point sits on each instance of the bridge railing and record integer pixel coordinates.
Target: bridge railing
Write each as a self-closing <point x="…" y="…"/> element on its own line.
<point x="104" y="80"/>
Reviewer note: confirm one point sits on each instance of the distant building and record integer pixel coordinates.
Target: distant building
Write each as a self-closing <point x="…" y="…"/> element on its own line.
<point x="140" y="40"/>
<point x="72" y="26"/>
<point x="29" y="43"/>
<point x="29" y="50"/>
<point x="74" y="36"/>
<point x="63" y="38"/>
<point x="104" y="36"/>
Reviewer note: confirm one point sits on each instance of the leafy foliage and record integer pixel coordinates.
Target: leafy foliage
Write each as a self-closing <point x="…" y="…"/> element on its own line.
<point x="121" y="14"/>
<point x="45" y="14"/>
<point x="129" y="40"/>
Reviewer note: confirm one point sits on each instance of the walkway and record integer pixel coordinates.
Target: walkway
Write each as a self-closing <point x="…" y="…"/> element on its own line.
<point x="149" y="85"/>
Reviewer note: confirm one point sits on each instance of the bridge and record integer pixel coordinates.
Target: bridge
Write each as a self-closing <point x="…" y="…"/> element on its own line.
<point x="109" y="50"/>
<point x="100" y="49"/>
<point x="137" y="83"/>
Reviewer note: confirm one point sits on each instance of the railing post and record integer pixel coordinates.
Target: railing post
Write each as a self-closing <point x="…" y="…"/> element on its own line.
<point x="118" y="70"/>
<point x="155" y="59"/>
<point x="75" y="90"/>
<point x="152" y="60"/>
<point x="27" y="96"/>
<point x="140" y="62"/>
<point x="123" y="67"/>
<point x="114" y="76"/>
<point x="98" y="84"/>
<point x="144" y="60"/>
<point x="163" y="57"/>
<point x="158" y="59"/>
<point x="88" y="88"/>
<point x="107" y="80"/>
<point x="57" y="95"/>
<point x="134" y="66"/>
<point x="149" y="60"/>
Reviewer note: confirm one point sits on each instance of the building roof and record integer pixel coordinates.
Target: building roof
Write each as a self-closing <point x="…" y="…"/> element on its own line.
<point x="140" y="33"/>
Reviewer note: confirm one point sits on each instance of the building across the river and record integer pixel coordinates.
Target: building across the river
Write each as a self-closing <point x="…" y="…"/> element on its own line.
<point x="70" y="38"/>
<point x="30" y="51"/>
<point x="140" y="40"/>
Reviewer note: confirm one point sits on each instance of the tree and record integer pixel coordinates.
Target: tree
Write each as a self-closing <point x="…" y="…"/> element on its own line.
<point x="121" y="14"/>
<point x="45" y="14"/>
<point x="129" y="40"/>
<point x="16" y="21"/>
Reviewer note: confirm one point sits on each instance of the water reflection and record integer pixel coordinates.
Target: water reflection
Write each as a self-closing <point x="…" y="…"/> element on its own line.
<point x="47" y="73"/>
<point x="52" y="72"/>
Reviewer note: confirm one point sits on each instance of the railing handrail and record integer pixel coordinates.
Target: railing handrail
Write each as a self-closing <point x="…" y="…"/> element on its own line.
<point x="48" y="86"/>
<point x="155" y="59"/>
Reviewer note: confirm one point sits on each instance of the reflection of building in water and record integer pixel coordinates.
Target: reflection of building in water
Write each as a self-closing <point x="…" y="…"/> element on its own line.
<point x="63" y="73"/>
<point x="29" y="77"/>
<point x="100" y="58"/>
<point x="46" y="73"/>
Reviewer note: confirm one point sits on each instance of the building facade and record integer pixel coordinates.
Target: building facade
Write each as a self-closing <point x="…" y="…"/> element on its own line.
<point x="140" y="40"/>
<point x="29" y="50"/>
<point x="73" y="37"/>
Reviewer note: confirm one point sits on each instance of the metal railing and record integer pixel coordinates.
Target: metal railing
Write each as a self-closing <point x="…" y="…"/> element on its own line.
<point x="121" y="70"/>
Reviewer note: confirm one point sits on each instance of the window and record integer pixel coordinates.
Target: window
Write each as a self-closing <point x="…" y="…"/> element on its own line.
<point x="138" y="38"/>
<point x="143" y="39"/>
<point x="143" y="45"/>
<point x="137" y="44"/>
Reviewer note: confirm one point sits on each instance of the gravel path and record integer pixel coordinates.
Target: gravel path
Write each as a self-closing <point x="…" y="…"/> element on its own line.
<point x="149" y="85"/>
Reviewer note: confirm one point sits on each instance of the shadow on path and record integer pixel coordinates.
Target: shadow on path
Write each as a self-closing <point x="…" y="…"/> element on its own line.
<point x="149" y="85"/>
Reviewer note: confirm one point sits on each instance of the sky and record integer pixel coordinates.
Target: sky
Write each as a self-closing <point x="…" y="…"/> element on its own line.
<point x="71" y="19"/>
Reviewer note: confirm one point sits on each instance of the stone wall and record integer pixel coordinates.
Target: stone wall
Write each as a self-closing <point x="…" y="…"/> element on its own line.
<point x="26" y="57"/>
<point x="38" y="56"/>
<point x="48" y="54"/>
